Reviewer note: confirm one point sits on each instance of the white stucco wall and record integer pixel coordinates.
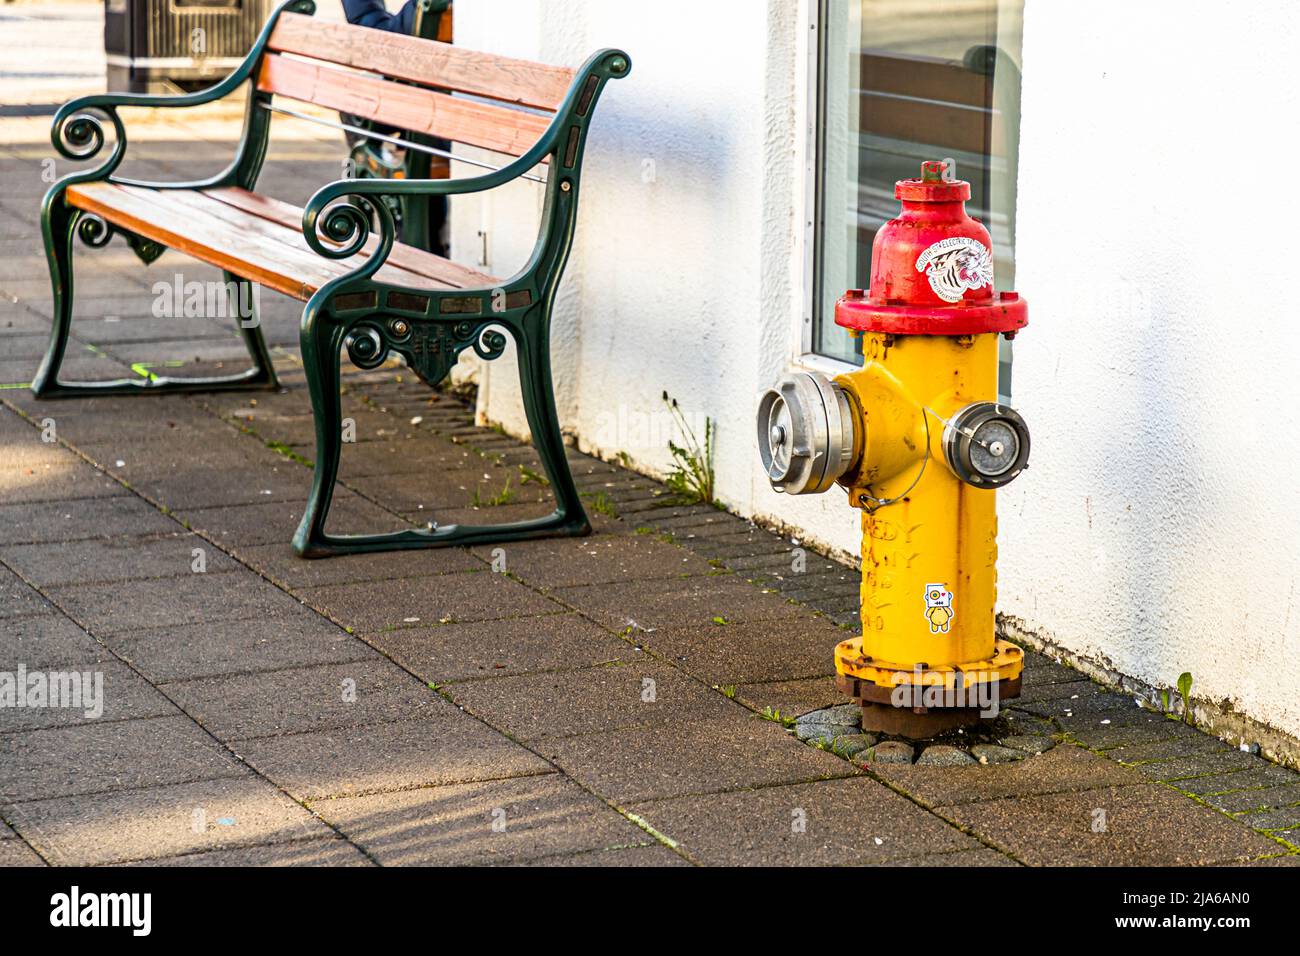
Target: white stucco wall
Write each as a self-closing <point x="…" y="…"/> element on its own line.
<point x="1156" y="530"/>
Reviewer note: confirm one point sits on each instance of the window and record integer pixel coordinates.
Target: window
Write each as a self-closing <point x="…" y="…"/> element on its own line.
<point x="903" y="81"/>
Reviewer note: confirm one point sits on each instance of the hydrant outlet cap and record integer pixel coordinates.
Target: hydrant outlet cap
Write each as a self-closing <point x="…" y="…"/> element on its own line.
<point x="805" y="433"/>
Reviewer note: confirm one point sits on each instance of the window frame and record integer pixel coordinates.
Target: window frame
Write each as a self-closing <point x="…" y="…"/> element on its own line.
<point x="809" y="153"/>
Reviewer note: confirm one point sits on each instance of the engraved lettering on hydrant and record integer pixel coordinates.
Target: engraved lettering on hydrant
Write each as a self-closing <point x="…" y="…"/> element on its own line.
<point x="938" y="608"/>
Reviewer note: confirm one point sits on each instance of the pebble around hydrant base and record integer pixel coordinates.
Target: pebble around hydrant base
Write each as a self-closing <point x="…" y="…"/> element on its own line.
<point x="1002" y="740"/>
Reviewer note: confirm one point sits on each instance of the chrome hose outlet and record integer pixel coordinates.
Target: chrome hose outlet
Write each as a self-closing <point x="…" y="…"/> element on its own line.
<point x="805" y="433"/>
<point x="986" y="445"/>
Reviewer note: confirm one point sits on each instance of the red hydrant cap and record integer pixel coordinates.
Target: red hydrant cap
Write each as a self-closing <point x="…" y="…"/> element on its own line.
<point x="932" y="267"/>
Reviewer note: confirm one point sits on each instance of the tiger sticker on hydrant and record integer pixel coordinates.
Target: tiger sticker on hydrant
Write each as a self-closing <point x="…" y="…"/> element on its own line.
<point x="938" y="608"/>
<point x="954" y="265"/>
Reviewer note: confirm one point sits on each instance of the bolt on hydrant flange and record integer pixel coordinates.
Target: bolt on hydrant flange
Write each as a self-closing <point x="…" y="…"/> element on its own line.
<point x="919" y="442"/>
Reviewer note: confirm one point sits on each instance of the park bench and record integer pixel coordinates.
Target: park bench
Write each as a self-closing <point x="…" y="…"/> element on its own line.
<point x="365" y="292"/>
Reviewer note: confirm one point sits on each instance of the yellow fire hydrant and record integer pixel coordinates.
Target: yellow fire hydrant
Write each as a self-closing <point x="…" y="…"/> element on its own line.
<point x="918" y="441"/>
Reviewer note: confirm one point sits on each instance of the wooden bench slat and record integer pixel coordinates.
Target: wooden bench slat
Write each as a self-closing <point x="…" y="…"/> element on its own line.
<point x="169" y="225"/>
<point x="265" y="229"/>
<point x="444" y="271"/>
<point x="423" y="61"/>
<point x="267" y="251"/>
<point x="397" y="104"/>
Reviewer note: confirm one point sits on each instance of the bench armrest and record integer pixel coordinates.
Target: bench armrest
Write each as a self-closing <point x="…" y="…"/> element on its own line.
<point x="347" y="225"/>
<point x="79" y="135"/>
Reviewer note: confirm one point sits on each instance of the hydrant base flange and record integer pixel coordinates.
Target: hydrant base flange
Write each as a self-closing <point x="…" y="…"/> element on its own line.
<point x="924" y="701"/>
<point x="915" y="723"/>
<point x="1007" y="663"/>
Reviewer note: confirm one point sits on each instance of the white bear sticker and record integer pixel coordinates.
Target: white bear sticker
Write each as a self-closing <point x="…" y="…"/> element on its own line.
<point x="954" y="265"/>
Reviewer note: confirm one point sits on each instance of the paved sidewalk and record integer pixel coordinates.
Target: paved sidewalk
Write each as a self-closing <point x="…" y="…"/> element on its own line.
<point x="553" y="702"/>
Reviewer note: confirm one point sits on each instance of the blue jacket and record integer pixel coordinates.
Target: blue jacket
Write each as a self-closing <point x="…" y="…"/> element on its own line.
<point x="372" y="13"/>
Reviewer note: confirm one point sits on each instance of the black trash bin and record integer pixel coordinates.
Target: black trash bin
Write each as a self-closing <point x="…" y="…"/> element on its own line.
<point x="165" y="46"/>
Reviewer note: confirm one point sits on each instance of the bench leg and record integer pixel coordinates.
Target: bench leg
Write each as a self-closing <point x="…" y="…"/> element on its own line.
<point x="262" y="375"/>
<point x="59" y="227"/>
<point x="544" y="422"/>
<point x="321" y="342"/>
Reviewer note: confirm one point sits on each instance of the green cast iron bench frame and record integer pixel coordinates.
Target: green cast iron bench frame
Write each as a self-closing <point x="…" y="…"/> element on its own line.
<point x="364" y="291"/>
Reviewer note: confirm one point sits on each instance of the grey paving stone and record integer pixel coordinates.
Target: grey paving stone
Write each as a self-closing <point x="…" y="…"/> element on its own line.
<point x="849" y="746"/>
<point x="193" y="487"/>
<point x="281" y="564"/>
<point x="981" y="857"/>
<point x="1041" y="672"/>
<point x="641" y="693"/>
<point x="163" y="821"/>
<point x="1265" y="798"/>
<point x="1064" y="692"/>
<point x="304" y="699"/>
<point x="480" y="823"/>
<point x="56" y="479"/>
<point x="511" y="646"/>
<point x="1289" y="859"/>
<point x="100" y="692"/>
<point x="1028" y="724"/>
<point x="655" y="854"/>
<point x="602" y="559"/>
<point x="172" y="436"/>
<point x="940" y="755"/>
<point x="744" y="653"/>
<point x="1183" y="746"/>
<point x="218" y="648"/>
<point x="1147" y="728"/>
<point x="841" y="715"/>
<point x="1282" y="818"/>
<point x="992" y="753"/>
<point x="77" y="367"/>
<point x="107" y="609"/>
<point x="1097" y="708"/>
<point x="1063" y="769"/>
<point x="445" y="748"/>
<point x="243" y="526"/>
<point x="1247" y="779"/>
<point x="828" y="823"/>
<point x="1143" y="826"/>
<point x="817" y="733"/>
<point x="792" y="697"/>
<point x="80" y="518"/>
<point x="644" y="763"/>
<point x="1199" y="765"/>
<point x="47" y="640"/>
<point x="324" y="851"/>
<point x="114" y="559"/>
<point x="1029" y="744"/>
<point x="89" y="758"/>
<point x="693" y="601"/>
<point x="18" y="600"/>
<point x="18" y="853"/>
<point x="404" y="602"/>
<point x="887" y="752"/>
